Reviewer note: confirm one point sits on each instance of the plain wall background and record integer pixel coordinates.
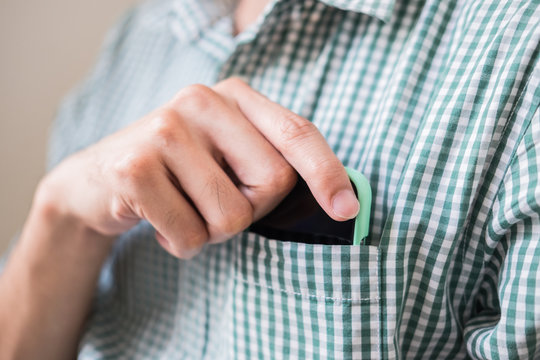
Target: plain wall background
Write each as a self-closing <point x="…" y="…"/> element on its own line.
<point x="46" y="48"/>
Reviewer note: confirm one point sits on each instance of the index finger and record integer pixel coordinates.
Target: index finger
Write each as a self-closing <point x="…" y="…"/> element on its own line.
<point x="303" y="146"/>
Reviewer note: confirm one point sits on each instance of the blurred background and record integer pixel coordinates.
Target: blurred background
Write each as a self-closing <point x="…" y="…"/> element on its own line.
<point x="46" y="48"/>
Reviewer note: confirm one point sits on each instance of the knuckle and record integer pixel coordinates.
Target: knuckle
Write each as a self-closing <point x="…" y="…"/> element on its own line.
<point x="231" y="225"/>
<point x="189" y="244"/>
<point x="134" y="169"/>
<point x="294" y="129"/>
<point x="231" y="89"/>
<point x="165" y="125"/>
<point x="235" y="220"/>
<point x="195" y="97"/>
<point x="235" y="211"/>
<point x="241" y="217"/>
<point x="324" y="167"/>
<point x="171" y="218"/>
<point x="193" y="240"/>
<point x="232" y="82"/>
<point x="119" y="208"/>
<point x="282" y="178"/>
<point x="327" y="170"/>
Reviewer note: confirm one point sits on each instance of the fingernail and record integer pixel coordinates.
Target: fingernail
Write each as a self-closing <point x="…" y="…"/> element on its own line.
<point x="345" y="204"/>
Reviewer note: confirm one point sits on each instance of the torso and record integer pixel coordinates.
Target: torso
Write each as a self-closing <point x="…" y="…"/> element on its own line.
<point x="428" y="105"/>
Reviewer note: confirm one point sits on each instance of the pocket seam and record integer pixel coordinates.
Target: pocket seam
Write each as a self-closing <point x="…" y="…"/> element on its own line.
<point x="320" y="297"/>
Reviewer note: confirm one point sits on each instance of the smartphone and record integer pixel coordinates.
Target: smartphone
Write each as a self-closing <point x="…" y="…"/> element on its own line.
<point x="299" y="218"/>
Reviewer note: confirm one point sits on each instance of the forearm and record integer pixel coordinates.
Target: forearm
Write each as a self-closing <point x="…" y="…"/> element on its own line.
<point x="47" y="286"/>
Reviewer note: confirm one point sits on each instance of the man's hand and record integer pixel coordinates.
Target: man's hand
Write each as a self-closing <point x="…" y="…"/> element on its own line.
<point x="201" y="168"/>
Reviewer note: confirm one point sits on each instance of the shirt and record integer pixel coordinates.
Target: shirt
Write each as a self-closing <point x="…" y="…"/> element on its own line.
<point x="435" y="102"/>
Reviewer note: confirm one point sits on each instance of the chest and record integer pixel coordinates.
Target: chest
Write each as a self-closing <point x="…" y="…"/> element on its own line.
<point x="406" y="102"/>
<point x="420" y="104"/>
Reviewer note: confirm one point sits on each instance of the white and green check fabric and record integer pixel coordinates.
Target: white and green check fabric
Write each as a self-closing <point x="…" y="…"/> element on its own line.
<point x="435" y="102"/>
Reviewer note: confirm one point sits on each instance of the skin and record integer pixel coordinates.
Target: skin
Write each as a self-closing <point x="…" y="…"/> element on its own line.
<point x="195" y="179"/>
<point x="247" y="12"/>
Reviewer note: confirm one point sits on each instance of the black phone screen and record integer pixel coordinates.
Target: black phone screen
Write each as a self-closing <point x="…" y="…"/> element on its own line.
<point x="299" y="218"/>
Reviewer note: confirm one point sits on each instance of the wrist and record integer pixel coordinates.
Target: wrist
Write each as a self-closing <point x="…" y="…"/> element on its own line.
<point x="52" y="228"/>
<point x="49" y="280"/>
<point x="51" y="204"/>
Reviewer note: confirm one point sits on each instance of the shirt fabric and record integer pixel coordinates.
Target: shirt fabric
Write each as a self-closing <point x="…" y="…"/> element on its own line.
<point x="435" y="102"/>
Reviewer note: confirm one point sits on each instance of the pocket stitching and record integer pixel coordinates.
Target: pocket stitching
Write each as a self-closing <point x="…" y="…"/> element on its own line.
<point x="320" y="297"/>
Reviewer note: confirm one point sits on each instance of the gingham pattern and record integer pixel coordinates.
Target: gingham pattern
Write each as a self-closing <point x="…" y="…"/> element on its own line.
<point x="436" y="102"/>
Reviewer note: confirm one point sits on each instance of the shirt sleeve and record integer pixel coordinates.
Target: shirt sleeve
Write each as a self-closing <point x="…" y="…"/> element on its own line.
<point x="507" y="320"/>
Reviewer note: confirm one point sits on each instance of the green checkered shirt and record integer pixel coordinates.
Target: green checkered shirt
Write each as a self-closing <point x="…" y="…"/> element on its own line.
<point x="435" y="102"/>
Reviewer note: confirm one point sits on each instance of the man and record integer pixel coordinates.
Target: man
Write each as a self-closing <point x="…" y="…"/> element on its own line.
<point x="435" y="102"/>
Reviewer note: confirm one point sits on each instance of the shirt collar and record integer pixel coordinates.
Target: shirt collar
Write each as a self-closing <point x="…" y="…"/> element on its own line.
<point x="190" y="18"/>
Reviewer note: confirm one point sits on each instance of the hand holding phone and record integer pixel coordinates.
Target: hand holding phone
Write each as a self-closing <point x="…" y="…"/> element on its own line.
<point x="299" y="217"/>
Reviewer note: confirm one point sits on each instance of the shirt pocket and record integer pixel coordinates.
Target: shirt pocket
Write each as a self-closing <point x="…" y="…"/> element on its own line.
<point x="297" y="300"/>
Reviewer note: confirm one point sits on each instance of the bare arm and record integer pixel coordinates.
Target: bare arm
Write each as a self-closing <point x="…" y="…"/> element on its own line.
<point x="47" y="285"/>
